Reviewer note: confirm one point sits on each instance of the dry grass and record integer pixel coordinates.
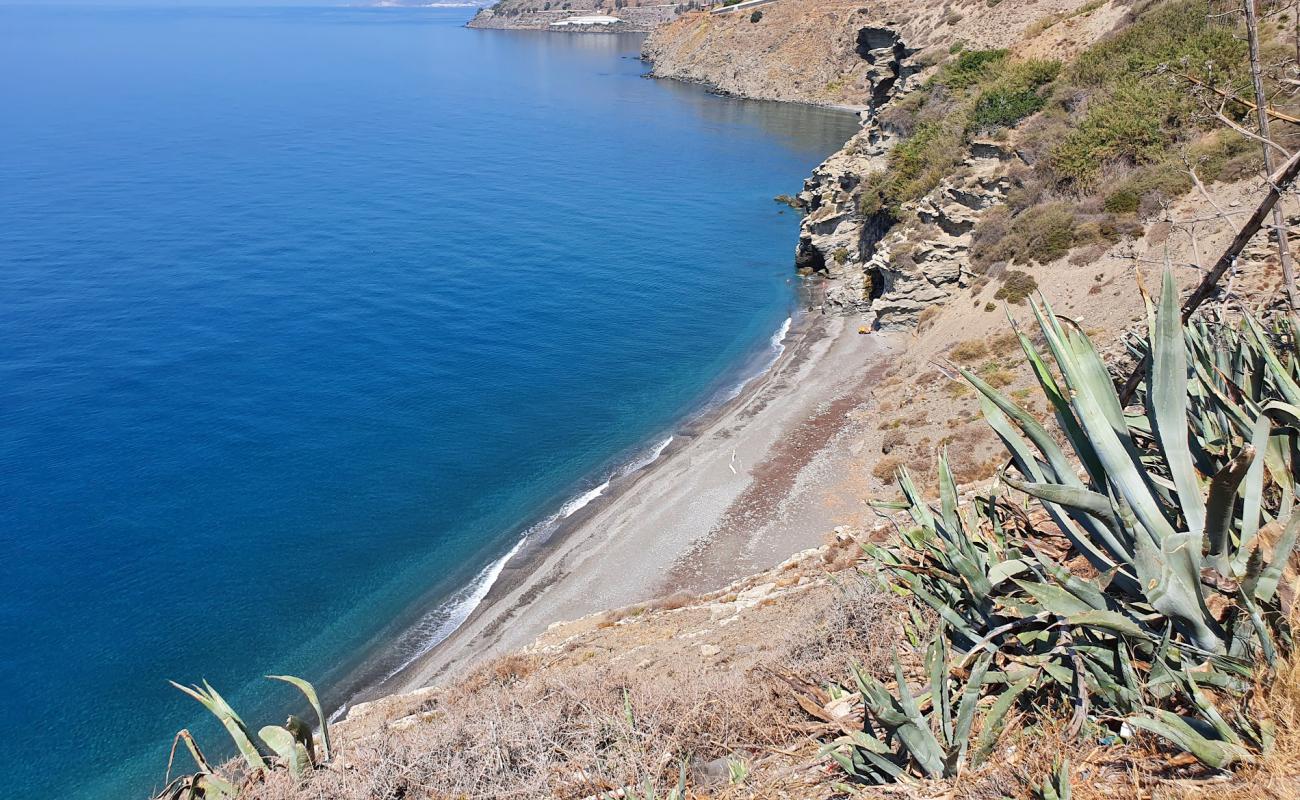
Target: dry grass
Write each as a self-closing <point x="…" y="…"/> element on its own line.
<point x="561" y="726"/>
<point x="886" y="468"/>
<point x="969" y="350"/>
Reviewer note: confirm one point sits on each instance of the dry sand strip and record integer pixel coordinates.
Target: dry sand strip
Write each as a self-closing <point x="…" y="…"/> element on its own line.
<point x="735" y="492"/>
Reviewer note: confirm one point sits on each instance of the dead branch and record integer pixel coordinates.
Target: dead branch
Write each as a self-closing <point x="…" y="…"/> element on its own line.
<point x="1275" y="114"/>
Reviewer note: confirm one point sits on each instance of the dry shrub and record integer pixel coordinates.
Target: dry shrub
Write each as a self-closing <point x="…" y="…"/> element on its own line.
<point x="957" y="389"/>
<point x="892" y="440"/>
<point x="969" y="350"/>
<point x="673" y="601"/>
<point x="1004" y="343"/>
<point x="861" y="623"/>
<point x="569" y="731"/>
<point x="886" y="468"/>
<point x="501" y="671"/>
<point x="999" y="378"/>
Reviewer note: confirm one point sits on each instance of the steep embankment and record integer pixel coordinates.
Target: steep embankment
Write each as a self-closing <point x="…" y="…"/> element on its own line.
<point x="566" y="15"/>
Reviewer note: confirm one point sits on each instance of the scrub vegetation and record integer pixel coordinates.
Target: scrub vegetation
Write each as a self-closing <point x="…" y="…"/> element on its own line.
<point x="1109" y="138"/>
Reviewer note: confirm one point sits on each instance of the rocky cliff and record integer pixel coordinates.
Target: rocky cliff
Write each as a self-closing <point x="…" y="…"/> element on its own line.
<point x="889" y="264"/>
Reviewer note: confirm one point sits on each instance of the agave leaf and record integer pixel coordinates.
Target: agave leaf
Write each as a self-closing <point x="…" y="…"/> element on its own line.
<point x="1253" y="494"/>
<point x="940" y="697"/>
<point x="1028" y="465"/>
<point x="1096" y="406"/>
<point x="1057" y="462"/>
<point x="867" y="742"/>
<point x="1208" y="710"/>
<point x="1221" y="505"/>
<point x="200" y="760"/>
<point x="917" y="508"/>
<point x="1171" y="578"/>
<point x="213" y="702"/>
<point x="995" y="719"/>
<point x="1110" y="621"/>
<point x="915" y="733"/>
<point x="1053" y="598"/>
<point x="948" y="495"/>
<point x="1175" y="729"/>
<point x="1056" y="786"/>
<point x="213" y="787"/>
<point x="309" y="692"/>
<point x="1259" y="627"/>
<point x="1280" y="374"/>
<point x="1077" y="497"/>
<point x="289" y="750"/>
<point x="1167" y="402"/>
<point x="1064" y="415"/>
<point x="966" y="710"/>
<point x="1263" y="587"/>
<point x="1090" y="592"/>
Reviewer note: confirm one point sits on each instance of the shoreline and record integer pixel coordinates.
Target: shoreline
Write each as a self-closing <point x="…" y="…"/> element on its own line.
<point x="684" y="520"/>
<point x="457" y="608"/>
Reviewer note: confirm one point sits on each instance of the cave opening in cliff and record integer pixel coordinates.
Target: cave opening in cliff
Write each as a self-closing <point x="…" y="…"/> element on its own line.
<point x="875" y="283"/>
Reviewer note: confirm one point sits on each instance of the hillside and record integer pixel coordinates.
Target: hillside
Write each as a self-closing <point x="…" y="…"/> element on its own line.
<point x="1008" y="148"/>
<point x="853" y="54"/>
<point x="632" y="15"/>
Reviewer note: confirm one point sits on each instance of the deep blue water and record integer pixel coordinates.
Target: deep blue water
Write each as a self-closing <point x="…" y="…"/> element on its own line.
<point x="306" y="313"/>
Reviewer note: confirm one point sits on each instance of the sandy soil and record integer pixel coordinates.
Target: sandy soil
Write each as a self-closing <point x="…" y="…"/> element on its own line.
<point x="735" y="493"/>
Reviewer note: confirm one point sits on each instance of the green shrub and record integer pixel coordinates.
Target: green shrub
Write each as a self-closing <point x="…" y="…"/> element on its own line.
<point x="1136" y="111"/>
<point x="1128" y="125"/>
<point x="1147" y="188"/>
<point x="1040" y="234"/>
<point x="1124" y="200"/>
<point x="1016" y="94"/>
<point x="967" y="69"/>
<point x="918" y="164"/>
<point x="1002" y="108"/>
<point x="1170" y="34"/>
<point x="756" y="16"/>
<point x="1225" y="155"/>
<point x="1016" y="286"/>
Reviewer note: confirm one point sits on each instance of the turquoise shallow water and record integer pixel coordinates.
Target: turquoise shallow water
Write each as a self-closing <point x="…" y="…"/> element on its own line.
<point x="306" y="314"/>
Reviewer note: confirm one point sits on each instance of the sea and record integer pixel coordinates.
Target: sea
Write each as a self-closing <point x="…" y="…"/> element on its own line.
<point x="308" y="316"/>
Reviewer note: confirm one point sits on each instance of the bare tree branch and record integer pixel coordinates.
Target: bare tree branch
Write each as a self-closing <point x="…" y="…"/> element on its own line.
<point x="1274" y="113"/>
<point x="1279" y="221"/>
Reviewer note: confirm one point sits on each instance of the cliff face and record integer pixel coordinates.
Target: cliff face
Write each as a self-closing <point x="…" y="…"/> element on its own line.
<point x="798" y="50"/>
<point x="876" y="267"/>
<point x="634" y="15"/>
<point x="867" y="58"/>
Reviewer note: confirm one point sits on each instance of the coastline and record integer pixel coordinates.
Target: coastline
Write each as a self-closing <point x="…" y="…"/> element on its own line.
<point x="736" y="489"/>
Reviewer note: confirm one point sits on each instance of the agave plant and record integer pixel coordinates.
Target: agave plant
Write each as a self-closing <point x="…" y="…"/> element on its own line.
<point x="292" y="746"/>
<point x="1177" y="527"/>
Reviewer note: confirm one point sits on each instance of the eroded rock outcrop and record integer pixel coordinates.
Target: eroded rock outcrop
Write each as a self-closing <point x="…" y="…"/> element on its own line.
<point x="892" y="264"/>
<point x="871" y="264"/>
